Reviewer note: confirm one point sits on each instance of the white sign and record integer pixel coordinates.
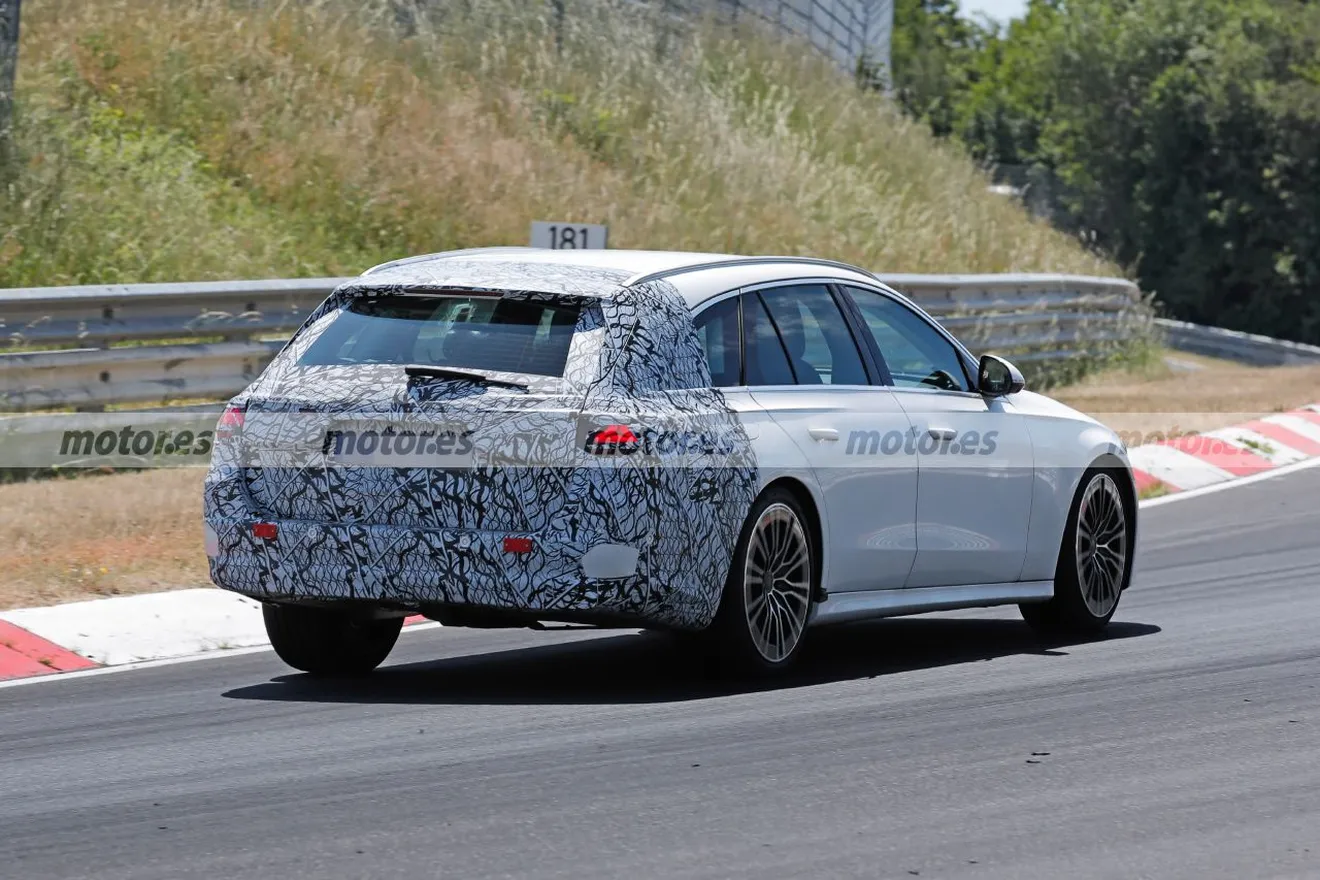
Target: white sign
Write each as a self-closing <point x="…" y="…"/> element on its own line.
<point x="569" y="236"/>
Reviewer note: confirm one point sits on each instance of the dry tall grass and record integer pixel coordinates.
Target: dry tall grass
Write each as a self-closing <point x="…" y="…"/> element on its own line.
<point x="314" y="138"/>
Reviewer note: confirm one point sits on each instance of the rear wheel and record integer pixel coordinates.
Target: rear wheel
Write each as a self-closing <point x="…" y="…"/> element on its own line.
<point x="763" y="614"/>
<point x="1095" y="561"/>
<point x="328" y="641"/>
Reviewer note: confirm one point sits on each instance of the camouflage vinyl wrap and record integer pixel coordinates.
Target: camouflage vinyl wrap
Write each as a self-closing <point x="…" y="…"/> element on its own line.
<point x="425" y="536"/>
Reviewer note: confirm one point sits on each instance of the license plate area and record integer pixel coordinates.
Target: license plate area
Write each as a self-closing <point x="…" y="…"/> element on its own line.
<point x="388" y="444"/>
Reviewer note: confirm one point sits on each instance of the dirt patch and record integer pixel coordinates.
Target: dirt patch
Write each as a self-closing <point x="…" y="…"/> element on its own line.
<point x="103" y="535"/>
<point x="1182" y="393"/>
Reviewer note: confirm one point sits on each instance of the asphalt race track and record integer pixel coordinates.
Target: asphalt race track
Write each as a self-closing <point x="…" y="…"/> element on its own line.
<point x="1187" y="744"/>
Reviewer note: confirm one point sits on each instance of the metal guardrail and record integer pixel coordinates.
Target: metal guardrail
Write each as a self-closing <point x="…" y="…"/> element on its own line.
<point x="1032" y="318"/>
<point x="1233" y="345"/>
<point x="208" y="340"/>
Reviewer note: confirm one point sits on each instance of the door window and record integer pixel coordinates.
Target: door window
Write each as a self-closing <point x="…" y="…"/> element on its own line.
<point x="918" y="355"/>
<point x="821" y="349"/>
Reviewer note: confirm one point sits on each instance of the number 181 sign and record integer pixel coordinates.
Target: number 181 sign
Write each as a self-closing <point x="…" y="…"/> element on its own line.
<point x="569" y="236"/>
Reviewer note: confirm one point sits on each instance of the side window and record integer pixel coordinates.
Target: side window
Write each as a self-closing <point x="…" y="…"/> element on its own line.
<point x="717" y="331"/>
<point x="820" y="346"/>
<point x="916" y="354"/>
<point x="767" y="364"/>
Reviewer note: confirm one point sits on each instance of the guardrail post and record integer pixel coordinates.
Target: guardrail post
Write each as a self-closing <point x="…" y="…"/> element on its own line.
<point x="105" y="377"/>
<point x="9" y="16"/>
<point x="557" y="10"/>
<point x="665" y="28"/>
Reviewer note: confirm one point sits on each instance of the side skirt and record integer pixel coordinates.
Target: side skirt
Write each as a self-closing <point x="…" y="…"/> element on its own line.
<point x="844" y="607"/>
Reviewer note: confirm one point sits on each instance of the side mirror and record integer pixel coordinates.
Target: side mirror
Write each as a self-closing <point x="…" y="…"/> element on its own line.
<point x="998" y="378"/>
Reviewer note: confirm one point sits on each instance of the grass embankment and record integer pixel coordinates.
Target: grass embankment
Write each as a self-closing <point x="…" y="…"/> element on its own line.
<point x="170" y="140"/>
<point x="163" y="140"/>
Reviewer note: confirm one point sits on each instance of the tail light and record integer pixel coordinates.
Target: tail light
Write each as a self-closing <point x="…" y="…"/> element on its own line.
<point x="613" y="440"/>
<point x="231" y="422"/>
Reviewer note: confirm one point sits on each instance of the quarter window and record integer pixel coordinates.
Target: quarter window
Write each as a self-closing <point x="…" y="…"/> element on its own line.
<point x="717" y="331"/>
<point x="767" y="363"/>
<point x="917" y="355"/>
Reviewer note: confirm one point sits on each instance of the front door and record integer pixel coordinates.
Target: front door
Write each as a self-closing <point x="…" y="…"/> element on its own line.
<point x="975" y="459"/>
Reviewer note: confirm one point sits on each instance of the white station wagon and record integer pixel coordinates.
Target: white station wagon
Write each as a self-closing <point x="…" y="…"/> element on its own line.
<point x="739" y="448"/>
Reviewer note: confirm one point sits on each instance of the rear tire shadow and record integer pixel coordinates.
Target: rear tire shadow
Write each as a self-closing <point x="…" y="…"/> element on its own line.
<point x="655" y="668"/>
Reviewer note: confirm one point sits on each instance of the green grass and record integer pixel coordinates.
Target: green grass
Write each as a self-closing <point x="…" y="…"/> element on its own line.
<point x="1155" y="490"/>
<point x="173" y="140"/>
<point x="103" y="196"/>
<point x="1257" y="446"/>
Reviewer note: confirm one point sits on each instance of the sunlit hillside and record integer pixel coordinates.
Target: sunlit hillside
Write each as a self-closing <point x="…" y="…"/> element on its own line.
<point x="168" y="140"/>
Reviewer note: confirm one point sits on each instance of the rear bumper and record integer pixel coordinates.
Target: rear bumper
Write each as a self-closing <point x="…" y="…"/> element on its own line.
<point x="420" y="569"/>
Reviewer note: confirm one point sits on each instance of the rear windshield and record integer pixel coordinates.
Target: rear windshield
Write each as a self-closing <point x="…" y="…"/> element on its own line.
<point x="486" y="333"/>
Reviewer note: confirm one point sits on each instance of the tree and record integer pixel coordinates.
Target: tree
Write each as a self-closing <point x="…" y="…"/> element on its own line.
<point x="1184" y="136"/>
<point x="931" y="49"/>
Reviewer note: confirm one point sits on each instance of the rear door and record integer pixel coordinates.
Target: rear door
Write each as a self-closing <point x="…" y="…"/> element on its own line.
<point x="975" y="454"/>
<point x="805" y="367"/>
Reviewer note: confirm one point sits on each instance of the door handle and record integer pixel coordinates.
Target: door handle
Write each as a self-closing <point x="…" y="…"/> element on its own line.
<point x="942" y="433"/>
<point x="823" y="434"/>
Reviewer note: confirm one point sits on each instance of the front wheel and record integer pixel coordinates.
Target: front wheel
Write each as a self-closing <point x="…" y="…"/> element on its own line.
<point x="1095" y="561"/>
<point x="328" y="641"/>
<point x="763" y="613"/>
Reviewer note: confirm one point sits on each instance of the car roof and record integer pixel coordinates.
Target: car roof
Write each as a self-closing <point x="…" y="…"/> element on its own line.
<point x="698" y="276"/>
<point x="631" y="263"/>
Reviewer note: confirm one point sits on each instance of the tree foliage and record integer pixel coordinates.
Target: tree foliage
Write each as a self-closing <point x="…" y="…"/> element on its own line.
<point x="1184" y="136"/>
<point x="931" y="54"/>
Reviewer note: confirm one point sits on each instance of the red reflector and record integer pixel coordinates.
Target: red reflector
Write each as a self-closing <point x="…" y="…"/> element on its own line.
<point x="265" y="531"/>
<point x="517" y="545"/>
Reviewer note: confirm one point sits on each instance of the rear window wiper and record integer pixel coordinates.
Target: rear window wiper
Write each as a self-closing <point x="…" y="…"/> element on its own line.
<point x="428" y="371"/>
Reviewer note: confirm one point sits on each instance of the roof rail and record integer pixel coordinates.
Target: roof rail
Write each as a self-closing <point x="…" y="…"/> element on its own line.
<point x="742" y="261"/>
<point x="444" y="255"/>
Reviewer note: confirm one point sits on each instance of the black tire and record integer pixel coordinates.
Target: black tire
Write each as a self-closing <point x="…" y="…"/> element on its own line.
<point x="326" y="641"/>
<point x="1082" y="604"/>
<point x="732" y="639"/>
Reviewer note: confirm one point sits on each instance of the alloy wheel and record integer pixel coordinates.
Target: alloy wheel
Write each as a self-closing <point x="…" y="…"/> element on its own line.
<point x="777" y="582"/>
<point x="1101" y="545"/>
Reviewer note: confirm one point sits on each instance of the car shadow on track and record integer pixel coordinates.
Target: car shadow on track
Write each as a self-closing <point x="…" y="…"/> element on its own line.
<point x="654" y="668"/>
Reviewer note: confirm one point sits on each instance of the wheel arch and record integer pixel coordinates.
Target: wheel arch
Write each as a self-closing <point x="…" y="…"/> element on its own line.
<point x="1111" y="462"/>
<point x="815" y="525"/>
